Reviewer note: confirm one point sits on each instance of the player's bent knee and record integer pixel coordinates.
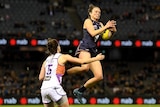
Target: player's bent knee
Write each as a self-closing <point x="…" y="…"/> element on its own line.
<point x="99" y="78"/>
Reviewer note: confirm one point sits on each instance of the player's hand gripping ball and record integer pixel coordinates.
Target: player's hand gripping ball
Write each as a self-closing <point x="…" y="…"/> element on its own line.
<point x="107" y="34"/>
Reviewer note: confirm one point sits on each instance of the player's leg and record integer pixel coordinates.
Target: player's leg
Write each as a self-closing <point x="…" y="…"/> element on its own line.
<point x="98" y="75"/>
<point x="96" y="68"/>
<point x="78" y="91"/>
<point x="47" y="102"/>
<point x="51" y="104"/>
<point x="63" y="102"/>
<point x="77" y="69"/>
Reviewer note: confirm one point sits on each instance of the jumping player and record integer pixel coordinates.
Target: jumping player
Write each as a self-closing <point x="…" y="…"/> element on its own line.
<point x="92" y="30"/>
<point x="52" y="70"/>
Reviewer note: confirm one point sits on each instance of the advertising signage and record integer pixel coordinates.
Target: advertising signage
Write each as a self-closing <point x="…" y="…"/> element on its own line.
<point x="86" y="100"/>
<point x="75" y="42"/>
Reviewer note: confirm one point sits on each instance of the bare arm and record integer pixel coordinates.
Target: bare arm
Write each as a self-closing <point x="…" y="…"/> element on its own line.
<point x="90" y="28"/>
<point x="42" y="72"/>
<point x="69" y="58"/>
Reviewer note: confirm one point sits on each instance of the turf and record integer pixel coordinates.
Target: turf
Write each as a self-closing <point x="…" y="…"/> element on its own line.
<point x="157" y="105"/>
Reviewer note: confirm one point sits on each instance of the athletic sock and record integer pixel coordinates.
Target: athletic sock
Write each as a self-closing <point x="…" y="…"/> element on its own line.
<point x="82" y="89"/>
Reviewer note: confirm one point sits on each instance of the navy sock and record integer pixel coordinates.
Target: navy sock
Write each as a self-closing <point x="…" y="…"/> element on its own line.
<point x="82" y="89"/>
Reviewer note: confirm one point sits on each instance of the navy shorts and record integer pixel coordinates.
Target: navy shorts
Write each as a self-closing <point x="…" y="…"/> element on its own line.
<point x="93" y="50"/>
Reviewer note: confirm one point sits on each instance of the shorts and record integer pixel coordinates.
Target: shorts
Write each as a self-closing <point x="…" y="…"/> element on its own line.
<point x="92" y="50"/>
<point x="57" y="95"/>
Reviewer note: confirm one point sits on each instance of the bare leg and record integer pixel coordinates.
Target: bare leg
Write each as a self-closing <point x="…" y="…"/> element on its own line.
<point x="63" y="102"/>
<point x="49" y="105"/>
<point x="76" y="69"/>
<point x="66" y="104"/>
<point x="96" y="68"/>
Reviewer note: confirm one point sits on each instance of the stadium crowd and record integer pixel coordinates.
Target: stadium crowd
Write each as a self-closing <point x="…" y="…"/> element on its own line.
<point x="21" y="18"/>
<point x="120" y="78"/>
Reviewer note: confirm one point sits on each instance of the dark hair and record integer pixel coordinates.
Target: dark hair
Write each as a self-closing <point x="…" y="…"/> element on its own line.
<point x="91" y="6"/>
<point x="52" y="46"/>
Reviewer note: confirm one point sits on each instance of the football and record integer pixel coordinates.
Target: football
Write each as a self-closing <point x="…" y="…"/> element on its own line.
<point x="107" y="34"/>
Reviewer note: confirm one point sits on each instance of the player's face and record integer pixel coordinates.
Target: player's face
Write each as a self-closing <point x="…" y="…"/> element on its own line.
<point x="95" y="14"/>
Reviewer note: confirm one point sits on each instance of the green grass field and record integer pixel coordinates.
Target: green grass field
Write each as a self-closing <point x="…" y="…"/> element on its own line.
<point x="157" y="105"/>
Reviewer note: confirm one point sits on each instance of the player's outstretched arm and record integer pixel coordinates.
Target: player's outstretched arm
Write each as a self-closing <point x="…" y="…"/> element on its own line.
<point x="69" y="58"/>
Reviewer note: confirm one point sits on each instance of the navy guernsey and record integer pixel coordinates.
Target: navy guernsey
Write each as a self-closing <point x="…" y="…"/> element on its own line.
<point x="88" y="42"/>
<point x="88" y="39"/>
